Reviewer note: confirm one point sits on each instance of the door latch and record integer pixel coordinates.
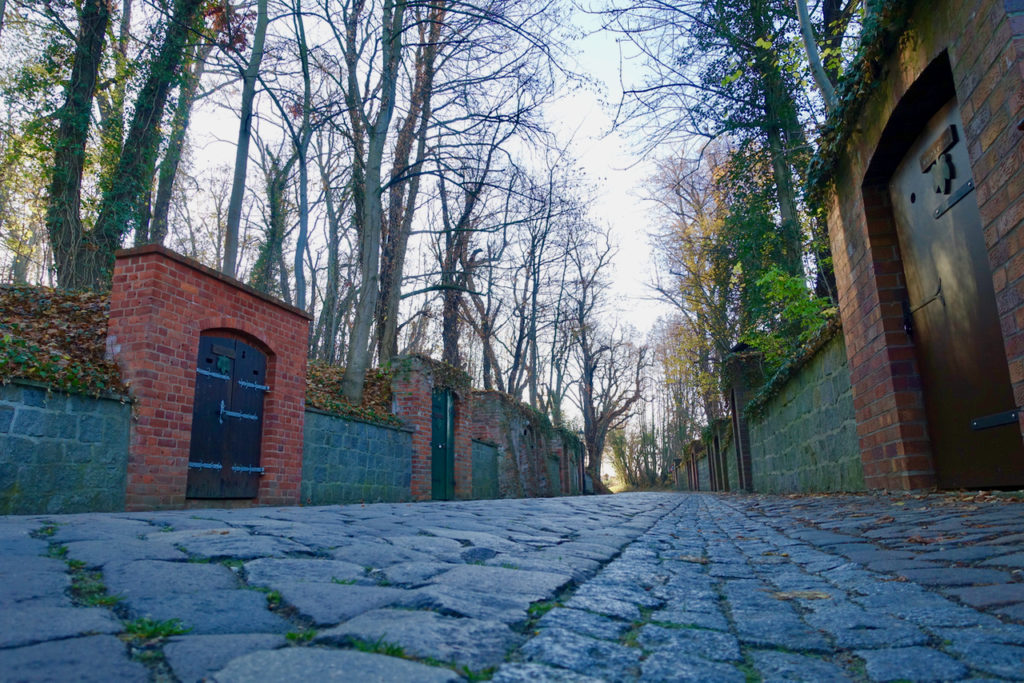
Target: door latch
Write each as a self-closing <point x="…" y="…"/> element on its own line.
<point x="908" y="312"/>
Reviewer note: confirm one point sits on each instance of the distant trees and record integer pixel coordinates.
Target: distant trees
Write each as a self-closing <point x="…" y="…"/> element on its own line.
<point x="392" y="174"/>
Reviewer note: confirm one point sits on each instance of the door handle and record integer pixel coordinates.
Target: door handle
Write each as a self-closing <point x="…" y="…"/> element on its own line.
<point x="908" y="312"/>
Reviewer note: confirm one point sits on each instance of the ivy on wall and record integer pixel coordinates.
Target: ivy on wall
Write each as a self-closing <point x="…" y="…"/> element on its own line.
<point x="884" y="27"/>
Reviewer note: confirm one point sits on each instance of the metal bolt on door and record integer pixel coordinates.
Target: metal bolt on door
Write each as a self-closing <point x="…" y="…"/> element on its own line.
<point x="951" y="314"/>
<point x="442" y="445"/>
<point x="227" y="420"/>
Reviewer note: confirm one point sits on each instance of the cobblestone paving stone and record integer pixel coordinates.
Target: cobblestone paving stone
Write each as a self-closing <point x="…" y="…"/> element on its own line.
<point x="645" y="586"/>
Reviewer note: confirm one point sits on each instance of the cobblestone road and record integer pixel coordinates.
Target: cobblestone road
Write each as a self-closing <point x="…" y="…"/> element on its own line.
<point x="658" y="587"/>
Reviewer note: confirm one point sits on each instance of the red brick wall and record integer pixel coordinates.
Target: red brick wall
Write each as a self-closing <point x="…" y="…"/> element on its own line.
<point x="412" y="389"/>
<point x="985" y="43"/>
<point x="160" y="304"/>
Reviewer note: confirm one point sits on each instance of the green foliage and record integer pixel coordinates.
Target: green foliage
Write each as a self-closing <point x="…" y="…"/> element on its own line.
<point x="379" y="647"/>
<point x="148" y="629"/>
<point x="273" y="599"/>
<point x="299" y="637"/>
<point x="798" y="314"/>
<point x="539" y="609"/>
<point x="884" y="25"/>
<point x="88" y="589"/>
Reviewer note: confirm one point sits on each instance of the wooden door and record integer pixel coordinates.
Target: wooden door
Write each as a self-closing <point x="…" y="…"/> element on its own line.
<point x="951" y="313"/>
<point x="442" y="451"/>
<point x="227" y="420"/>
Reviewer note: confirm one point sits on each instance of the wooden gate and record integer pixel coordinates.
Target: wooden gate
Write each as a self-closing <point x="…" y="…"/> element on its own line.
<point x="442" y="445"/>
<point x="227" y="420"/>
<point x="951" y="314"/>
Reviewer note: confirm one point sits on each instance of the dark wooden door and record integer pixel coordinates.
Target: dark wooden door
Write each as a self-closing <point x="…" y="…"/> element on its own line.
<point x="952" y="313"/>
<point x="442" y="450"/>
<point x="227" y="420"/>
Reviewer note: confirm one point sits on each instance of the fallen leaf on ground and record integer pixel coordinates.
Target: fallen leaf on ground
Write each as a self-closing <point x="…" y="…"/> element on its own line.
<point x="802" y="595"/>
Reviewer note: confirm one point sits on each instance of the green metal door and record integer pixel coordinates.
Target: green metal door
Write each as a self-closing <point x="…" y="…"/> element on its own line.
<point x="442" y="445"/>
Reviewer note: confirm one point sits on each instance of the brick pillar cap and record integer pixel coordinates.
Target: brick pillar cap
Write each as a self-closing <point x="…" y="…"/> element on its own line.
<point x="147" y="249"/>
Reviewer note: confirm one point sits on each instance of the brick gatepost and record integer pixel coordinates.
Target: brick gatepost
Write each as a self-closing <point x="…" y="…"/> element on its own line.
<point x="160" y="304"/>
<point x="979" y="47"/>
<point x="412" y="388"/>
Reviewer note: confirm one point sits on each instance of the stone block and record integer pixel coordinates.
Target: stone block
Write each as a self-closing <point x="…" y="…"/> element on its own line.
<point x="91" y="428"/>
<point x="6" y="418"/>
<point x="33" y="396"/>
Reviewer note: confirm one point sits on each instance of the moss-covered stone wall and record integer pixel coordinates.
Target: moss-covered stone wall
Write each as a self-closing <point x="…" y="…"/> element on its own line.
<point x="351" y="461"/>
<point x="804" y="436"/>
<point x="61" y="452"/>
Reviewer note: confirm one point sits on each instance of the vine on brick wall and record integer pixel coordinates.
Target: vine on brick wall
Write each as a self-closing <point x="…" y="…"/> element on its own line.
<point x="884" y="27"/>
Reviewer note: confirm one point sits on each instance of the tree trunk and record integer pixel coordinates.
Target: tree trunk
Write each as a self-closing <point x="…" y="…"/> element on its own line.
<point x="358" y="357"/>
<point x="123" y="205"/>
<point x="404" y="187"/>
<point x="63" y="211"/>
<point x="252" y="71"/>
<point x="828" y="93"/>
<point x="111" y="100"/>
<point x="301" y="151"/>
<point x="176" y="143"/>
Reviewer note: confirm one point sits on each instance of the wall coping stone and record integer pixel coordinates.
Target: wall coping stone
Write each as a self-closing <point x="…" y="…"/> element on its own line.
<point x="48" y="388"/>
<point x="825" y="334"/>
<point x="211" y="272"/>
<point x="348" y="418"/>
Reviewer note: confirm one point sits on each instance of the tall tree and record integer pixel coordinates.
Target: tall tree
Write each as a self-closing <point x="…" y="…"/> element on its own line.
<point x="193" y="73"/>
<point x="125" y="204"/>
<point x="370" y="134"/>
<point x="63" y="212"/>
<point x="249" y="78"/>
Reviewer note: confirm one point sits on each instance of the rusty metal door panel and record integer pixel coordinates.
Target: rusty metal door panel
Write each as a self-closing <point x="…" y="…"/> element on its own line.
<point x="227" y="420"/>
<point x="951" y="312"/>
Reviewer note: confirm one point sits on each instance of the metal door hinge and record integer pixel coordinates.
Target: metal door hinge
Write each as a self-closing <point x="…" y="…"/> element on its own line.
<point x="997" y="420"/>
<point x="955" y="198"/>
<point x="205" y="466"/>
<point x="224" y="412"/>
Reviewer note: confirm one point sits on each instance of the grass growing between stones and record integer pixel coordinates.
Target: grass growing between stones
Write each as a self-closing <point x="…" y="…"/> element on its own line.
<point x="88" y="589"/>
<point x="539" y="609"/>
<point x="379" y="647"/>
<point x="343" y="582"/>
<point x="46" y="531"/>
<point x="273" y="599"/>
<point x="300" y="637"/>
<point x="150" y="629"/>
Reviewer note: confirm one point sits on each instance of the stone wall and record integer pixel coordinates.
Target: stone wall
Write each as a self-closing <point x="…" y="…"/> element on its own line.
<point x="61" y="452"/>
<point x="533" y="458"/>
<point x="804" y="437"/>
<point x="704" y="472"/>
<point x="485" y="470"/>
<point x="731" y="461"/>
<point x="350" y="461"/>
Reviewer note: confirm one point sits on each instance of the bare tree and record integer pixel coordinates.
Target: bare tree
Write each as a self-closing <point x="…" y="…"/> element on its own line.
<point x="249" y="78"/>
